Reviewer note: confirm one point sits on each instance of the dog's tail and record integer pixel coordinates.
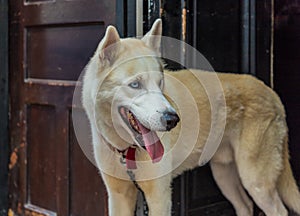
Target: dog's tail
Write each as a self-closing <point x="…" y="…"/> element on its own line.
<point x="286" y="185"/>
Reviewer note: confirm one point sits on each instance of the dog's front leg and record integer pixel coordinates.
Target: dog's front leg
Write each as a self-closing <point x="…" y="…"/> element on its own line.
<point x="122" y="196"/>
<point x="158" y="195"/>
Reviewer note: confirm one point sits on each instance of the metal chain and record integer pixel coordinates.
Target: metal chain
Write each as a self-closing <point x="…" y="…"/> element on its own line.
<point x="145" y="205"/>
<point x="132" y="178"/>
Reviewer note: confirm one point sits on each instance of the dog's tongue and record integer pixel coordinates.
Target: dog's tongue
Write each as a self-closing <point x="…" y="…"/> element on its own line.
<point x="152" y="144"/>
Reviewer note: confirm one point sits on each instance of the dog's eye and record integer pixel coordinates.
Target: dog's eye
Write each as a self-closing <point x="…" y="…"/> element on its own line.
<point x="135" y="85"/>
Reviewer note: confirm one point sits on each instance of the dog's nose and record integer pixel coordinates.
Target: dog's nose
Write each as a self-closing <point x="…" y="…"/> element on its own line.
<point x="169" y="119"/>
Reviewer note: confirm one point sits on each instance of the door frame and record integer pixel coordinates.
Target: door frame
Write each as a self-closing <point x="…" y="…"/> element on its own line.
<point x="4" y="147"/>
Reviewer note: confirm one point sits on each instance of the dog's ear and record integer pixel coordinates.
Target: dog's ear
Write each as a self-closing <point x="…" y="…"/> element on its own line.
<point x="109" y="45"/>
<point x="153" y="37"/>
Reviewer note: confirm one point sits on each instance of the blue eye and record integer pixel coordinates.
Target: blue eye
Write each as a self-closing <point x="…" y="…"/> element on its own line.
<point x="135" y="85"/>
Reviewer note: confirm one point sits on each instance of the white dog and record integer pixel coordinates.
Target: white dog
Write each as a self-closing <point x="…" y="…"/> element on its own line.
<point x="138" y="127"/>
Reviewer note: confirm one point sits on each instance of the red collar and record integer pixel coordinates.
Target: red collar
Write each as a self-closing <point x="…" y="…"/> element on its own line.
<point x="127" y="155"/>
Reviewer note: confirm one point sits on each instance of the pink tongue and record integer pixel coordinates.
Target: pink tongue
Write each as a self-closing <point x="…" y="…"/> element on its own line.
<point x="152" y="144"/>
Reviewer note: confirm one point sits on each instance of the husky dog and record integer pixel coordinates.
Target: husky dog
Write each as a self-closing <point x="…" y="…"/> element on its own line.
<point x="136" y="126"/>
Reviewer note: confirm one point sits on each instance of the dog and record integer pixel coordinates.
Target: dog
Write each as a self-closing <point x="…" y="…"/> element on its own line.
<point x="155" y="124"/>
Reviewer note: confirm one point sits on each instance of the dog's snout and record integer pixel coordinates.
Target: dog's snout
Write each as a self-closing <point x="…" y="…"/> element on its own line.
<point x="169" y="119"/>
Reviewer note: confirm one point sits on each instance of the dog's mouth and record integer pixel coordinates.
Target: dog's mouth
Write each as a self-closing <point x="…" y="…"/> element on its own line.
<point x="145" y="137"/>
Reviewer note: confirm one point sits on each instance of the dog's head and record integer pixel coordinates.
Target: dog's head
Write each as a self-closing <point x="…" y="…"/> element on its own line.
<point x="129" y="102"/>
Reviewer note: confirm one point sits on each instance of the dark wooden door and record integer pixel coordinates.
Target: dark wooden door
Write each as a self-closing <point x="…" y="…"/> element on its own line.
<point x="287" y="71"/>
<point x="50" y="43"/>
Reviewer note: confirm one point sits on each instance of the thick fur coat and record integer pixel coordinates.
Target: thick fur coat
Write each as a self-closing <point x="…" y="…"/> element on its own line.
<point x="131" y="101"/>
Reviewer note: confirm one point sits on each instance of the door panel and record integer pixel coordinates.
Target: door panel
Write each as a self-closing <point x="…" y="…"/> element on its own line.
<point x="66" y="50"/>
<point x="41" y="156"/>
<point x="51" y="42"/>
<point x="217" y="21"/>
<point x="90" y="199"/>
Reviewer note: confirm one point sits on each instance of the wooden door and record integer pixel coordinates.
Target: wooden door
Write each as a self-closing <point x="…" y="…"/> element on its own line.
<point x="50" y="43"/>
<point x="287" y="71"/>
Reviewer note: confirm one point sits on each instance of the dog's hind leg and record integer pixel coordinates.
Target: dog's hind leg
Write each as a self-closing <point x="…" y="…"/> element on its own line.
<point x="226" y="177"/>
<point x="259" y="159"/>
<point x="122" y="196"/>
<point x="267" y="198"/>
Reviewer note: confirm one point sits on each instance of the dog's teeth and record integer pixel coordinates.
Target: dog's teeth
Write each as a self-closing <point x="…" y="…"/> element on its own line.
<point x="137" y="128"/>
<point x="132" y="122"/>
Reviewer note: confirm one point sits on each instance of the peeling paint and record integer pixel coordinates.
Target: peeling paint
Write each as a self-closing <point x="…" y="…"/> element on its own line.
<point x="13" y="160"/>
<point x="10" y="212"/>
<point x="14" y="156"/>
<point x="30" y="213"/>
